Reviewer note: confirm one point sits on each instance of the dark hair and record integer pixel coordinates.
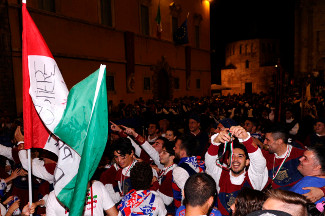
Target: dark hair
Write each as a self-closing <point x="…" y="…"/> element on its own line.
<point x="248" y="200"/>
<point x="236" y="144"/>
<point x="189" y="144"/>
<point x="169" y="146"/>
<point x="122" y="146"/>
<point x="293" y="203"/>
<point x="278" y="132"/>
<point x="198" y="189"/>
<point x="175" y="131"/>
<point x="154" y="122"/>
<point x="47" y="154"/>
<point x="253" y="120"/>
<point x="141" y="176"/>
<point x="165" y="140"/>
<point x="319" y="150"/>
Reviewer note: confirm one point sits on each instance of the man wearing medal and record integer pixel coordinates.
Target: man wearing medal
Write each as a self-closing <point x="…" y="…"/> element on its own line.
<point x="282" y="159"/>
<point x="247" y="166"/>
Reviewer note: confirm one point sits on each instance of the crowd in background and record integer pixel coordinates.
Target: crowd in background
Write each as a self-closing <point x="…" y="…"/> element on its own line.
<point x="169" y="121"/>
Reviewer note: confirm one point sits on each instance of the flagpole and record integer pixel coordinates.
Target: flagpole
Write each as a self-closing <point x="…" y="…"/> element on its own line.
<point x="30" y="192"/>
<point x="30" y="179"/>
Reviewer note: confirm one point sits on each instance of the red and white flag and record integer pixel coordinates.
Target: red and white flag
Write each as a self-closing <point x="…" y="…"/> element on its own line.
<point x="44" y="90"/>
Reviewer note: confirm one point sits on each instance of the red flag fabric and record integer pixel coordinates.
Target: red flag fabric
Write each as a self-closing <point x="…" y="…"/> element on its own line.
<point x="42" y="104"/>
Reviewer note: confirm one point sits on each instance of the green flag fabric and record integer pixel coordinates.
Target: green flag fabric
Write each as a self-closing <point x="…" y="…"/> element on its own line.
<point x="158" y="20"/>
<point x="84" y="129"/>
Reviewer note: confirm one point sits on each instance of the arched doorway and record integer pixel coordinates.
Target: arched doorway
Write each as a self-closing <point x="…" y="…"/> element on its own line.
<point x="162" y="81"/>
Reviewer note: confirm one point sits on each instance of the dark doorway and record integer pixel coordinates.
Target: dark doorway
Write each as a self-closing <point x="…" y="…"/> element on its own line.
<point x="248" y="88"/>
<point x="163" y="85"/>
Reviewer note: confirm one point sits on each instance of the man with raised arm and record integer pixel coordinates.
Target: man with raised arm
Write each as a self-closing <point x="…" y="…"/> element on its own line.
<point x="247" y="167"/>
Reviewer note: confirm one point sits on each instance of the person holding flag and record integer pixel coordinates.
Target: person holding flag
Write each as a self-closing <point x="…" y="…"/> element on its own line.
<point x="78" y="119"/>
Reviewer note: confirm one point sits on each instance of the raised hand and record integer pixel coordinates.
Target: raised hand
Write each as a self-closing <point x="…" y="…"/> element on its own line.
<point x="18" y="135"/>
<point x="222" y="137"/>
<point x="115" y="127"/>
<point x="239" y="132"/>
<point x="129" y="131"/>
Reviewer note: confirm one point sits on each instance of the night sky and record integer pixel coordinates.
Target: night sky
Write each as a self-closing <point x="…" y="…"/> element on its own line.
<point x="233" y="20"/>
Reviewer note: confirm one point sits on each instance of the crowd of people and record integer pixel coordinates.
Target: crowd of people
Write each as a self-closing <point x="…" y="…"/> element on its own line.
<point x="224" y="155"/>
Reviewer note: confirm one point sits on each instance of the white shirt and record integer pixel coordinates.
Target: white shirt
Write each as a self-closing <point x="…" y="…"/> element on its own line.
<point x="38" y="168"/>
<point x="257" y="171"/>
<point x="6" y="152"/>
<point x="101" y="203"/>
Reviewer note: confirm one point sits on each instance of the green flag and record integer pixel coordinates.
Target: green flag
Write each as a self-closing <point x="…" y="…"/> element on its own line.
<point x="84" y="129"/>
<point x="158" y="20"/>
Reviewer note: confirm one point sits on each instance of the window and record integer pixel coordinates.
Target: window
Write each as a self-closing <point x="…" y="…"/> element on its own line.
<point x="146" y="83"/>
<point x="106" y="12"/>
<point x="174" y="25"/>
<point x="176" y="83"/>
<point x="247" y="64"/>
<point x="144" y="20"/>
<point x="48" y="5"/>
<point x="110" y="83"/>
<point x="197" y="36"/>
<point x="240" y="49"/>
<point x="198" y="83"/>
<point x="233" y="50"/>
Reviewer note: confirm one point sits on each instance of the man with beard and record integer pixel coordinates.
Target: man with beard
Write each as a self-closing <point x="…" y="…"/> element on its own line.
<point x="247" y="167"/>
<point x="185" y="147"/>
<point x="282" y="159"/>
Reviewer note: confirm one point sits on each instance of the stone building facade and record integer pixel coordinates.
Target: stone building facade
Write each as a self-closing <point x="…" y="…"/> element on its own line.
<point x="310" y="39"/>
<point x="251" y="66"/>
<point x="123" y="35"/>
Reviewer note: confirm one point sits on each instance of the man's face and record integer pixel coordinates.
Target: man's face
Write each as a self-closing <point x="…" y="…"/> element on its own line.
<point x="320" y="128"/>
<point x="239" y="161"/>
<point x="123" y="160"/>
<point x="288" y="115"/>
<point x="308" y="163"/>
<point x="152" y="129"/>
<point x="165" y="157"/>
<point x="170" y="135"/>
<point x="193" y="125"/>
<point x="220" y="128"/>
<point x="270" y="144"/>
<point x="163" y="124"/>
<point x="158" y="145"/>
<point x="248" y="125"/>
<point x="177" y="148"/>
